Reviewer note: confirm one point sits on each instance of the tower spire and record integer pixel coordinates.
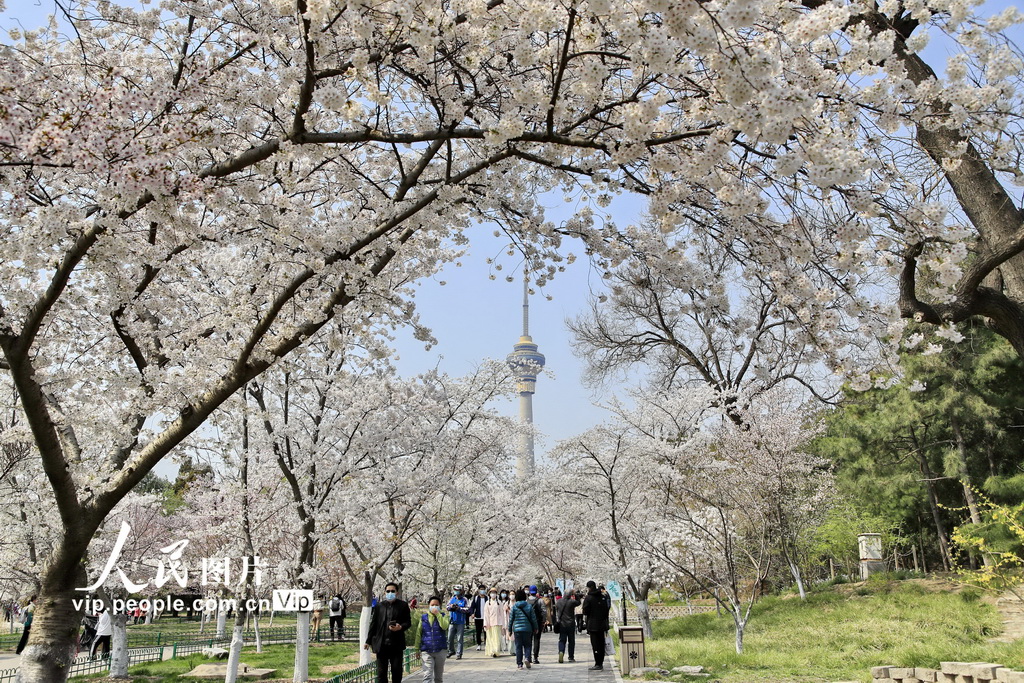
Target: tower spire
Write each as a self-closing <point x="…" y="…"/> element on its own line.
<point x="526" y="303"/>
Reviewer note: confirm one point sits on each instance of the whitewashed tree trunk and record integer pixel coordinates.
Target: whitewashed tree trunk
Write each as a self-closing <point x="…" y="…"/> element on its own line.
<point x="643" y="615"/>
<point x="271" y="624"/>
<point x="365" y="656"/>
<point x="256" y="630"/>
<point x="149" y="615"/>
<point x="222" y="620"/>
<point x="235" y="654"/>
<point x="118" y="646"/>
<point x="741" y="625"/>
<point x="202" y="619"/>
<point x="301" y="674"/>
<point x="798" y="577"/>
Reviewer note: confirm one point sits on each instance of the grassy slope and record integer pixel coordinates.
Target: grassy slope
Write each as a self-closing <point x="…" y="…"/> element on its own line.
<point x="838" y="636"/>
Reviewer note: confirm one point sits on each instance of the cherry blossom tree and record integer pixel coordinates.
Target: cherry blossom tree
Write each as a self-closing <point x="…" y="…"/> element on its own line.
<point x="620" y="492"/>
<point x="191" y="192"/>
<point x="437" y="436"/>
<point x="703" y="317"/>
<point x="742" y="491"/>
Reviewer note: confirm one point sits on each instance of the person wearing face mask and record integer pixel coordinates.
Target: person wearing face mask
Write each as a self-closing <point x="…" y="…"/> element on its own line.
<point x="432" y="642"/>
<point x="505" y="600"/>
<point x="523" y="623"/>
<point x="476" y="610"/>
<point x="495" y="617"/>
<point x="458" y="608"/>
<point x="389" y="622"/>
<point x="542" y="620"/>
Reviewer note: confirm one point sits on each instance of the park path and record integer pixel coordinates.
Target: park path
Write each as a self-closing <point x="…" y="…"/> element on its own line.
<point x="477" y="667"/>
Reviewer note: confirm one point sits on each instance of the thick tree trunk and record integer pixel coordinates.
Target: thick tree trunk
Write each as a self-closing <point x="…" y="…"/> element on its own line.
<point x="51" y="642"/>
<point x="118" y="645"/>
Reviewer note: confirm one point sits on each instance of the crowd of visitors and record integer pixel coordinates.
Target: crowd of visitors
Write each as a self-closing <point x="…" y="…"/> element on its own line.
<point x="503" y="621"/>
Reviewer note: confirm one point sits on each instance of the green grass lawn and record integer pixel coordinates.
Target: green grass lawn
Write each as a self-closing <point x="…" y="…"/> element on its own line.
<point x="324" y="661"/>
<point x="838" y="634"/>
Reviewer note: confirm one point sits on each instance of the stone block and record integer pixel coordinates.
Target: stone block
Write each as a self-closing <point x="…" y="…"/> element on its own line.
<point x="1010" y="676"/>
<point x="926" y="675"/>
<point x="954" y="668"/>
<point x="983" y="671"/>
<point x="964" y="679"/>
<point x="688" y="670"/>
<point x="642" y="671"/>
<point x="880" y="671"/>
<point x="901" y="673"/>
<point x="944" y="677"/>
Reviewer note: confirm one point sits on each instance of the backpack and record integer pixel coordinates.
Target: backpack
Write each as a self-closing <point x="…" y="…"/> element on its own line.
<point x="335" y="605"/>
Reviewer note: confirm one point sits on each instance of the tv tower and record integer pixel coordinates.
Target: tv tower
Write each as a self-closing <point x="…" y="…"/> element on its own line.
<point x="526" y="362"/>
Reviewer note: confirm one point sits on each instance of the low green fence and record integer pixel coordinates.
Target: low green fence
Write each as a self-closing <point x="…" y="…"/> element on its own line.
<point x="136" y="639"/>
<point x="194" y="643"/>
<point x="368" y="672"/>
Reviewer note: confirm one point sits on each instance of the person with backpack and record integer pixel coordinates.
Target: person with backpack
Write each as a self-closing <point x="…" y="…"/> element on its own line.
<point x="432" y="642"/>
<point x="26" y="619"/>
<point x="336" y="612"/>
<point x="522" y="622"/>
<point x="104" y="630"/>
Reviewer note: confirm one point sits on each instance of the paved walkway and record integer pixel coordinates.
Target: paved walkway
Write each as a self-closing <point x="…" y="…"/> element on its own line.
<point x="476" y="667"/>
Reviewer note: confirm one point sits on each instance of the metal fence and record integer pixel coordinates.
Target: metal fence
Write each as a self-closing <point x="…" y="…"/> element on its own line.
<point x="194" y="643"/>
<point x="368" y="672"/>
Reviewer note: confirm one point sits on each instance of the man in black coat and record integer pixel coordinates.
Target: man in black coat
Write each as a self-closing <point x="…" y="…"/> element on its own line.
<point x="596" y="611"/>
<point x="388" y="623"/>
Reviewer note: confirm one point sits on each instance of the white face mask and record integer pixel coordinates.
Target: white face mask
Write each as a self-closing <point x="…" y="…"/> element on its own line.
<point x="532" y="598"/>
<point x="390" y="596"/>
<point x="435" y="609"/>
<point x="504" y="596"/>
<point x="494" y="596"/>
<point x="483" y="592"/>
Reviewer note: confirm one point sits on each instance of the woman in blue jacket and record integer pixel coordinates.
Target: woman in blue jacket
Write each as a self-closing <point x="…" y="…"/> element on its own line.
<point x="522" y="622"/>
